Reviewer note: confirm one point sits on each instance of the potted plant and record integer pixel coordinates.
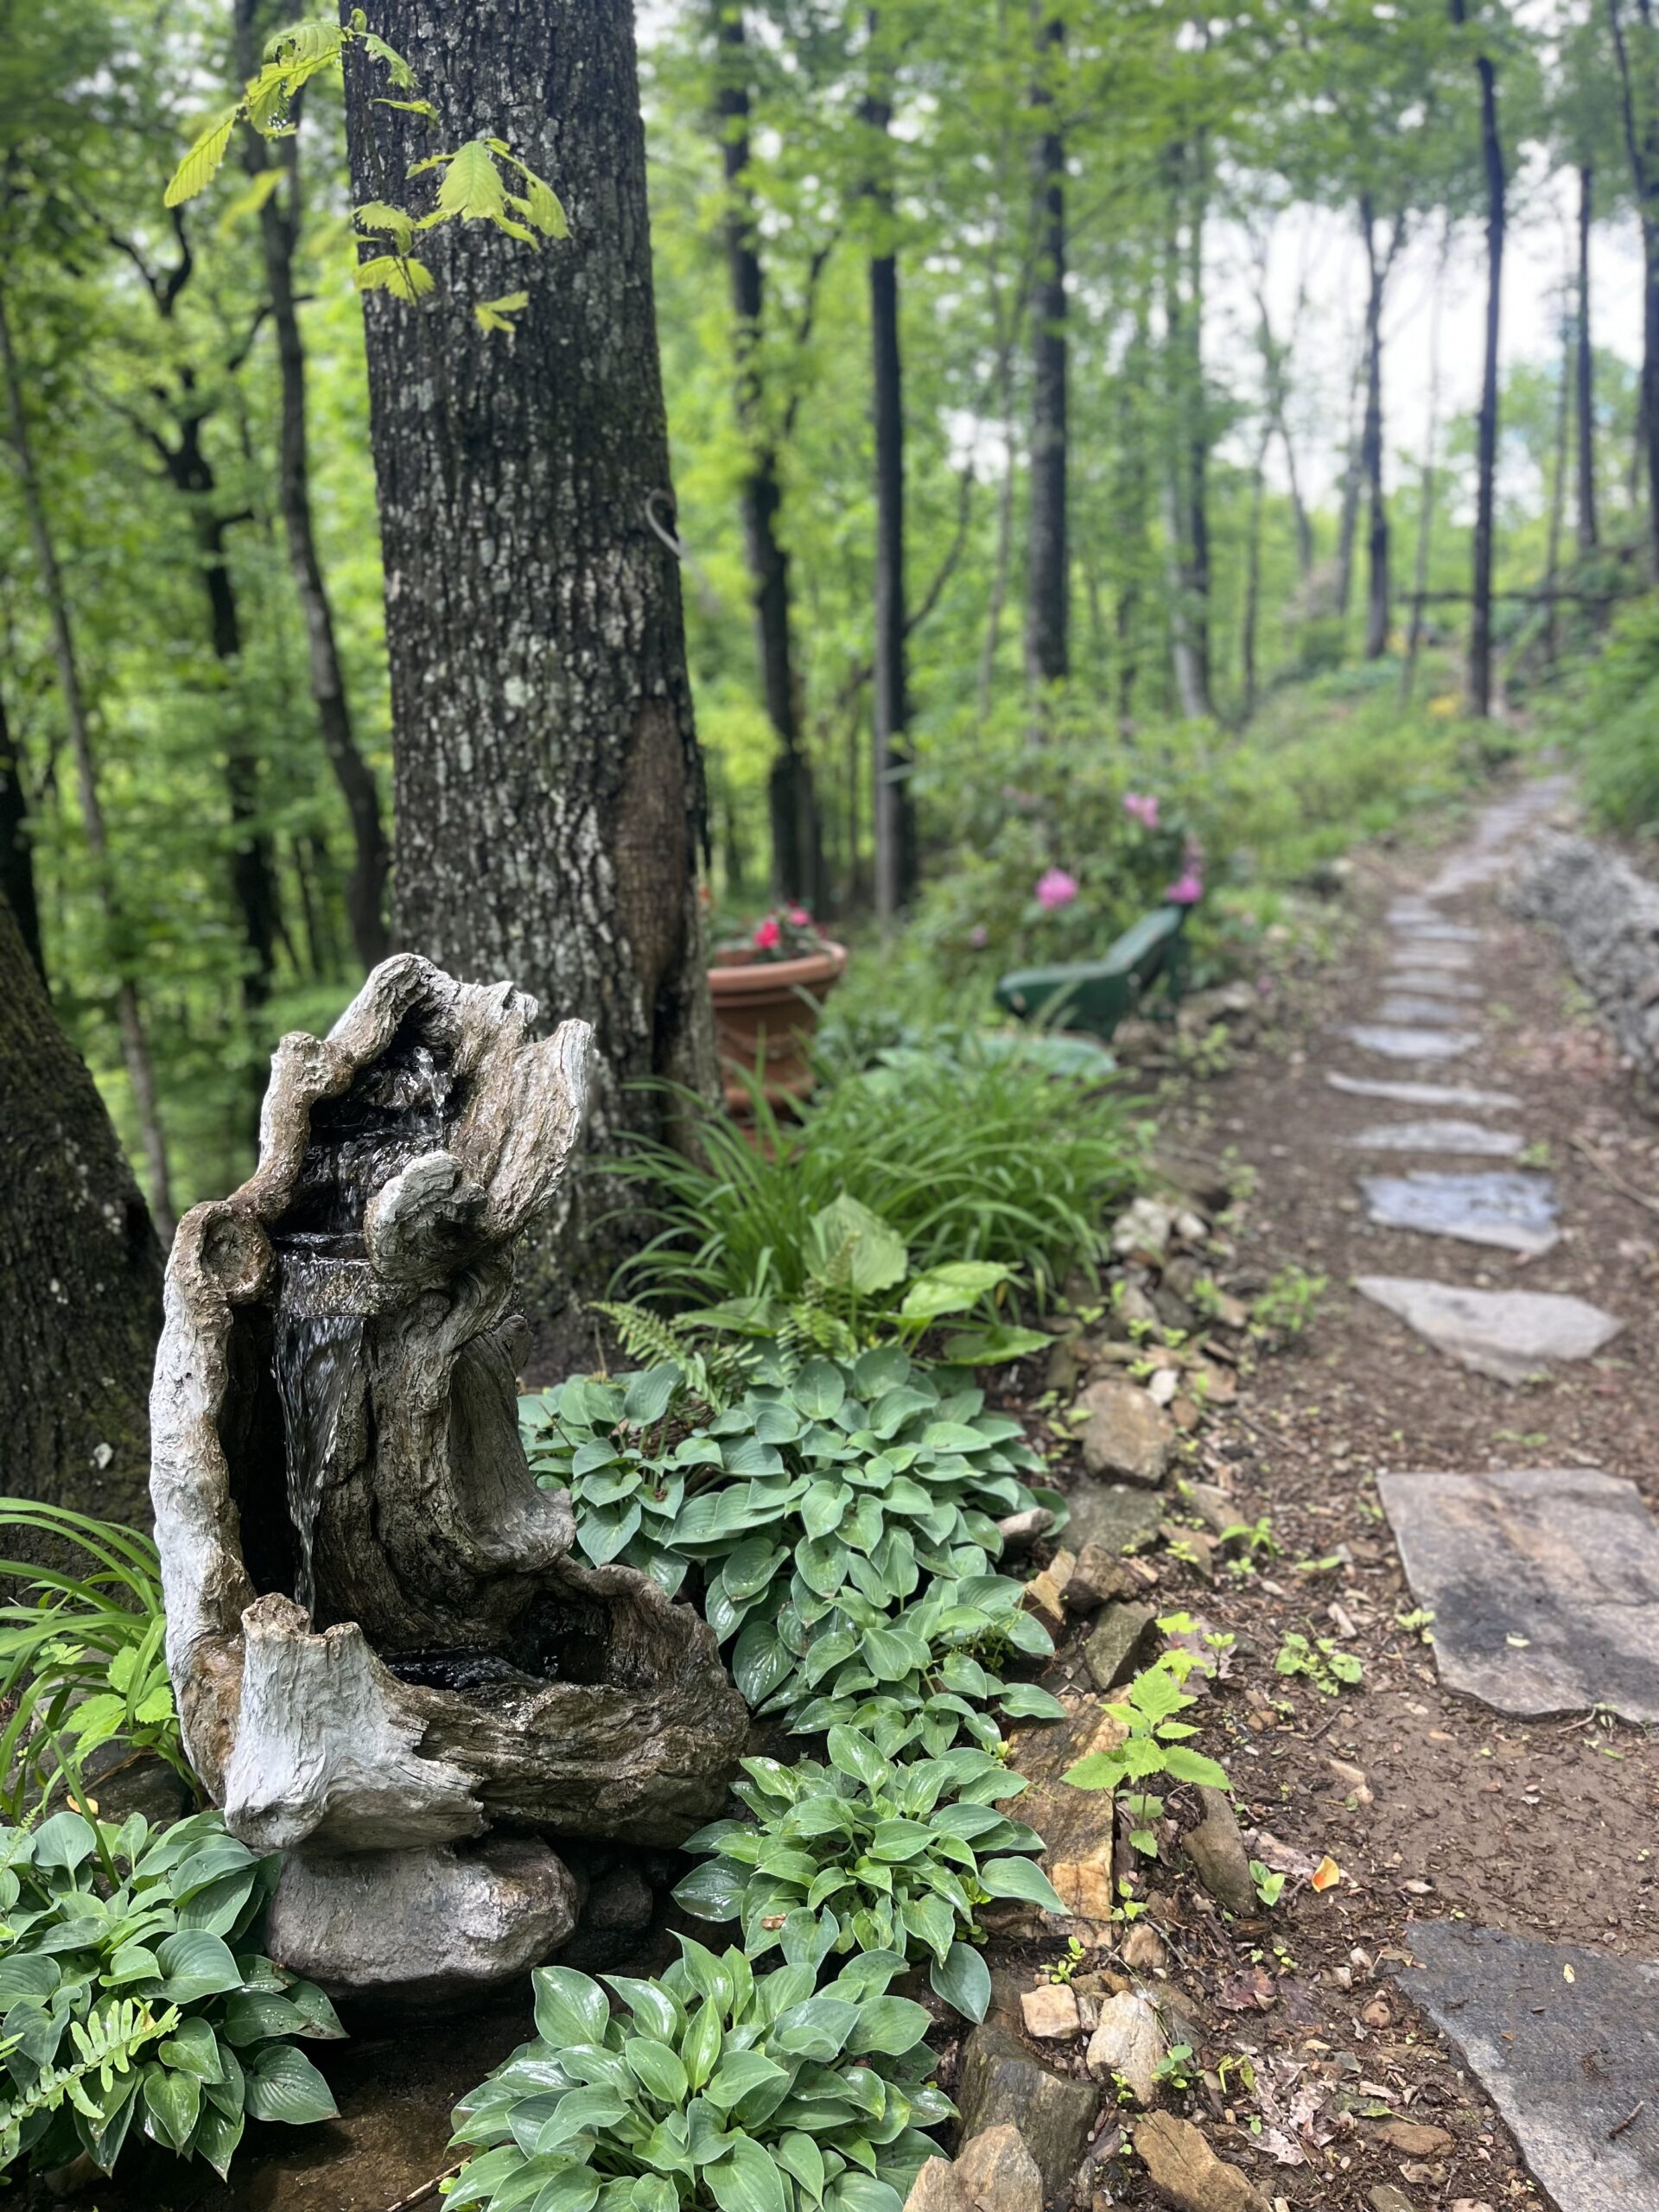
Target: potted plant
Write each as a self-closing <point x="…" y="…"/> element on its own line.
<point x="769" y="989"/>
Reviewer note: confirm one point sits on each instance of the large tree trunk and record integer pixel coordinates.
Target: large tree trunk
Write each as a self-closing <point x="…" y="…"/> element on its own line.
<point x="1189" y="643"/>
<point x="1197" y="440"/>
<point x="1426" y="497"/>
<point x="797" y="850"/>
<point x="1047" y="559"/>
<point x="1379" y="598"/>
<point x="280" y="220"/>
<point x="1479" y="680"/>
<point x="17" y="854"/>
<point x="893" y="806"/>
<point x="80" y="1271"/>
<point x="1348" y="517"/>
<point x="1641" y="143"/>
<point x="135" y="1045"/>
<point x="1585" y="379"/>
<point x="549" y="794"/>
<point x="1558" y="500"/>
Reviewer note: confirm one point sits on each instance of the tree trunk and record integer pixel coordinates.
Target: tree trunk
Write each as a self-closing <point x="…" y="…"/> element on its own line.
<point x="1480" y="612"/>
<point x="893" y="803"/>
<point x="797" y="852"/>
<point x="549" y="794"/>
<point x="1253" y="567"/>
<point x="1378" y="599"/>
<point x="80" y="1271"/>
<point x="1188" y="649"/>
<point x="280" y="221"/>
<point x="1585" y="364"/>
<point x="1641" y="143"/>
<point x="135" y="1046"/>
<point x="1197" y="427"/>
<point x="17" y="854"/>
<point x="1002" y="560"/>
<point x="1557" y="495"/>
<point x="1425" y="506"/>
<point x="1348" y="518"/>
<point x="1047" y="559"/>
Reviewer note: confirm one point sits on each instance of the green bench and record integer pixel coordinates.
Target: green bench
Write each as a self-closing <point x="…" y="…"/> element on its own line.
<point x="1094" y="995"/>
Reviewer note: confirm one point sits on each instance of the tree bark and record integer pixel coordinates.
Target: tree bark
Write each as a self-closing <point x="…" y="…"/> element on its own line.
<point x="1253" y="567"/>
<point x="1348" y="518"/>
<point x="1426" y="504"/>
<point x="280" y="221"/>
<point x="1047" y="557"/>
<point x="1480" y="612"/>
<point x="135" y="1046"/>
<point x="1189" y="642"/>
<point x="1584" y="377"/>
<point x="17" y="854"/>
<point x="548" y="791"/>
<point x="1641" y="143"/>
<point x="797" y="846"/>
<point x="80" y="1270"/>
<point x="1197" y="454"/>
<point x="1557" y="495"/>
<point x="1378" y="596"/>
<point x="893" y="803"/>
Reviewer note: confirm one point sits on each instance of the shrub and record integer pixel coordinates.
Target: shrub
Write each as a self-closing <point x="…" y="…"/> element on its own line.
<point x="713" y="2090"/>
<point x="130" y="1985"/>
<point x="1609" y="713"/>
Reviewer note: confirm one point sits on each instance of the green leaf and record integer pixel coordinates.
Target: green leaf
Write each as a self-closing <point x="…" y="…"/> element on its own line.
<point x="64" y="1842"/>
<point x="192" y="2049"/>
<point x="283" y="2085"/>
<point x="402" y="275"/>
<point x="853" y="1754"/>
<point x="217" y="2136"/>
<point x="994" y="1346"/>
<point x="951" y="1289"/>
<point x="800" y="2157"/>
<point x="849" y="1246"/>
<point x="963" y="1980"/>
<point x="201" y="164"/>
<point x="746" y="2180"/>
<point x="1182" y="1764"/>
<point x="1028" y="1701"/>
<point x="760" y="1661"/>
<point x="171" y="2104"/>
<point x="658" y="2067"/>
<point x="649" y="1396"/>
<point x="569" y="2008"/>
<point x="738" y="2073"/>
<point x="712" y="1893"/>
<point x="474" y="191"/>
<point x="820" y="1390"/>
<point x="1022" y="1879"/>
<point x="891" y="2025"/>
<point x="196" y="1965"/>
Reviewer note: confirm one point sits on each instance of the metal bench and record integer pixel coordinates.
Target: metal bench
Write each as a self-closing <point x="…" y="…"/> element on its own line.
<point x="1094" y="995"/>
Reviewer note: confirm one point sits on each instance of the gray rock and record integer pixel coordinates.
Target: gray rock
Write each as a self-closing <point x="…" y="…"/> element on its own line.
<point x="1129" y="2041"/>
<point x="1508" y="1334"/>
<point x="1431" y="983"/>
<point x="1186" y="2173"/>
<point x="1385" y="2197"/>
<point x="1543" y="1583"/>
<point x="1449" y="1136"/>
<point x="1571" y="2065"/>
<point x="1411" y="1009"/>
<point x="1125" y="1433"/>
<point x="1115" y="1517"/>
<point x="1460" y="1096"/>
<point x="1501" y="1206"/>
<point x="1217" y="1852"/>
<point x="622" y="1902"/>
<point x="1143" y="1227"/>
<point x="1608" y="917"/>
<point x="995" y="2172"/>
<point x="1397" y="1043"/>
<point x="414" y="1929"/>
<point x="1430" y="952"/>
<point x="1114" y="1641"/>
<point x="1001" y="2082"/>
<point x="1432" y="930"/>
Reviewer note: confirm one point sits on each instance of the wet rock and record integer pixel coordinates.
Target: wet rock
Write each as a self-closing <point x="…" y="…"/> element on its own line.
<point x="1186" y="2172"/>
<point x="1128" y="2042"/>
<point x="1216" y="1851"/>
<point x="1018" y="1531"/>
<point x="1118" y="1520"/>
<point x="1508" y="1334"/>
<point x="1505" y="1207"/>
<point x="1049" y="2012"/>
<point x="1115" y="1641"/>
<point x="1124" y="1433"/>
<point x="1001" y="2083"/>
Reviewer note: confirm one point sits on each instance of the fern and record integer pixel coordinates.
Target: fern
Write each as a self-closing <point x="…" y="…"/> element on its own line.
<point x="713" y="1376"/>
<point x="106" y="2042"/>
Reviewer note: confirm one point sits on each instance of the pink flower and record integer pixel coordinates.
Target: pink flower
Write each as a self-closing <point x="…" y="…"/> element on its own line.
<point x="1186" y="890"/>
<point x="767" y="934"/>
<point x="979" y="937"/>
<point x="1056" y="888"/>
<point x="1143" y="807"/>
<point x="800" y="917"/>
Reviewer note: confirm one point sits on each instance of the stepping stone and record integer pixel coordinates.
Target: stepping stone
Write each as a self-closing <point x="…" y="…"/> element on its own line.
<point x="1543" y="1583"/>
<point x="1430" y="952"/>
<point x="1431" y="983"/>
<point x="1397" y="1043"/>
<point x="1472" y="1137"/>
<point x="1411" y="914"/>
<point x="1423" y="1094"/>
<point x="1410" y="1011"/>
<point x="1503" y="1206"/>
<point x="1508" y="1334"/>
<point x="1571" y="2064"/>
<point x="1436" y="932"/>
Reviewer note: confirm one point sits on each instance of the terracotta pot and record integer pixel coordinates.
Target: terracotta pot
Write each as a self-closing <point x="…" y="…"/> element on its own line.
<point x="771" y="1007"/>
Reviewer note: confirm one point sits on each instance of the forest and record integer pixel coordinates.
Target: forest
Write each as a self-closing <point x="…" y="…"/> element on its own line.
<point x="982" y="509"/>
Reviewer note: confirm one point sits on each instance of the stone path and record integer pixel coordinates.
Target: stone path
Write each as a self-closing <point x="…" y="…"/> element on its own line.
<point x="1502" y="1207"/>
<point x="1399" y="1044"/>
<point x="1508" y="1334"/>
<point x="1473" y="1138"/>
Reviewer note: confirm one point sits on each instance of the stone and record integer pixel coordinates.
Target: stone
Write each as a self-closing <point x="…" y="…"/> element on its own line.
<point x="1508" y="1334"/>
<point x="1099" y="1574"/>
<point x="1018" y="1531"/>
<point x="1115" y="1638"/>
<point x="1504" y="1207"/>
<point x="936" y="2189"/>
<point x="1218" y="1856"/>
<point x="1000" y="2083"/>
<point x="1075" y="1825"/>
<point x="1433" y="930"/>
<point x="1403" y="1043"/>
<point x="620" y="1902"/>
<point x="1213" y="1507"/>
<point x="1571" y="2065"/>
<point x="1050" y="2011"/>
<point x="1163" y="1386"/>
<point x="1449" y="957"/>
<point x="1412" y="1009"/>
<point x="1543" y="1583"/>
<point x="1044" y="1594"/>
<point x="1117" y="1519"/>
<point x="1448" y="1136"/>
<point x="1196" y="1175"/>
<point x="1124" y="1433"/>
<point x="1143" y="1228"/>
<point x="410" y="1929"/>
<point x="1143" y="1949"/>
<point x="1607" y="915"/>
<point x="996" y="2172"/>
<point x="1414" y="2138"/>
<point x="1461" y="1096"/>
<point x="1186" y="2172"/>
<point x="1385" y="2197"/>
<point x="1128" y="2042"/>
<point x="1431" y="983"/>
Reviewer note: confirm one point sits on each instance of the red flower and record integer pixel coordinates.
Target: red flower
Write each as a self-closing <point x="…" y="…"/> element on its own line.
<point x="767" y="934"/>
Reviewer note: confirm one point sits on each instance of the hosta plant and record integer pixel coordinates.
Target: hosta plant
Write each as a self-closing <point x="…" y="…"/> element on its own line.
<point x="132" y="1993"/>
<point x="716" y="2090"/>
<point x="868" y="1853"/>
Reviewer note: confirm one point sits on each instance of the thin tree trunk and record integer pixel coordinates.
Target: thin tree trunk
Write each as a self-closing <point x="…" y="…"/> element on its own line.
<point x="1130" y="506"/>
<point x="17" y="854"/>
<point x="1197" y="454"/>
<point x="280" y="220"/>
<point x="893" y="803"/>
<point x="798" y="867"/>
<point x="1584" y="362"/>
<point x="1378" y="597"/>
<point x="1558" y="492"/>
<point x="1253" y="567"/>
<point x="1641" y="143"/>
<point x="1048" y="559"/>
<point x="1347" y="519"/>
<point x="80" y="1271"/>
<point x="1002" y="560"/>
<point x="134" y="1047"/>
<point x="1480" y="612"/>
<point x="1188" y="659"/>
<point x="548" y="791"/>
<point x="1425" y="505"/>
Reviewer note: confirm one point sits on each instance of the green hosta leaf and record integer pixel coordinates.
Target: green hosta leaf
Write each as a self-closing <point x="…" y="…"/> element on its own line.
<point x="855" y="1755"/>
<point x="655" y="2013"/>
<point x="171" y="2103"/>
<point x="875" y="1372"/>
<point x="819" y="1390"/>
<point x="1022" y="1879"/>
<point x="651" y="2193"/>
<point x="740" y="2072"/>
<point x="800" y="2157"/>
<point x="196" y="1965"/>
<point x="747" y="2180"/>
<point x="889" y="2025"/>
<point x="192" y="2049"/>
<point x="823" y="1507"/>
<point x="963" y="1980"/>
<point x="579" y="2112"/>
<point x="817" y="2029"/>
<point x="649" y="1396"/>
<point x="217" y="2136"/>
<point x="569" y="2008"/>
<point x="1028" y="1701"/>
<point x="700" y="2045"/>
<point x="64" y="1842"/>
<point x="282" y="2084"/>
<point x="760" y="1661"/>
<point x="994" y="1346"/>
<point x="951" y="1289"/>
<point x="849" y="1246"/>
<point x="822" y="1562"/>
<point x="252" y="2016"/>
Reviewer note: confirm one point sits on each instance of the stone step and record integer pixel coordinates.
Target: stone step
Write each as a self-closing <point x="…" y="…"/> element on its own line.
<point x="1412" y="1009"/>
<point x="1430" y="982"/>
<point x="1449" y="1136"/>
<point x="1397" y="1043"/>
<point x="1424" y="1094"/>
<point x="1508" y="1334"/>
<point x="1503" y="1206"/>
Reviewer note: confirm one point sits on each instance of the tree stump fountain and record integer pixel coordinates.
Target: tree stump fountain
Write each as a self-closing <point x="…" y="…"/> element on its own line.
<point x="387" y="1663"/>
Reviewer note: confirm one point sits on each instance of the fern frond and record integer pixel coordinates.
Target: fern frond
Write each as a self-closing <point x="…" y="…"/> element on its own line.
<point x="106" y="2043"/>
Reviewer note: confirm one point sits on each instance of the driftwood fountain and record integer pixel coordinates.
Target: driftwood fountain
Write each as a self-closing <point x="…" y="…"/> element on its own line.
<point x="386" y="1662"/>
